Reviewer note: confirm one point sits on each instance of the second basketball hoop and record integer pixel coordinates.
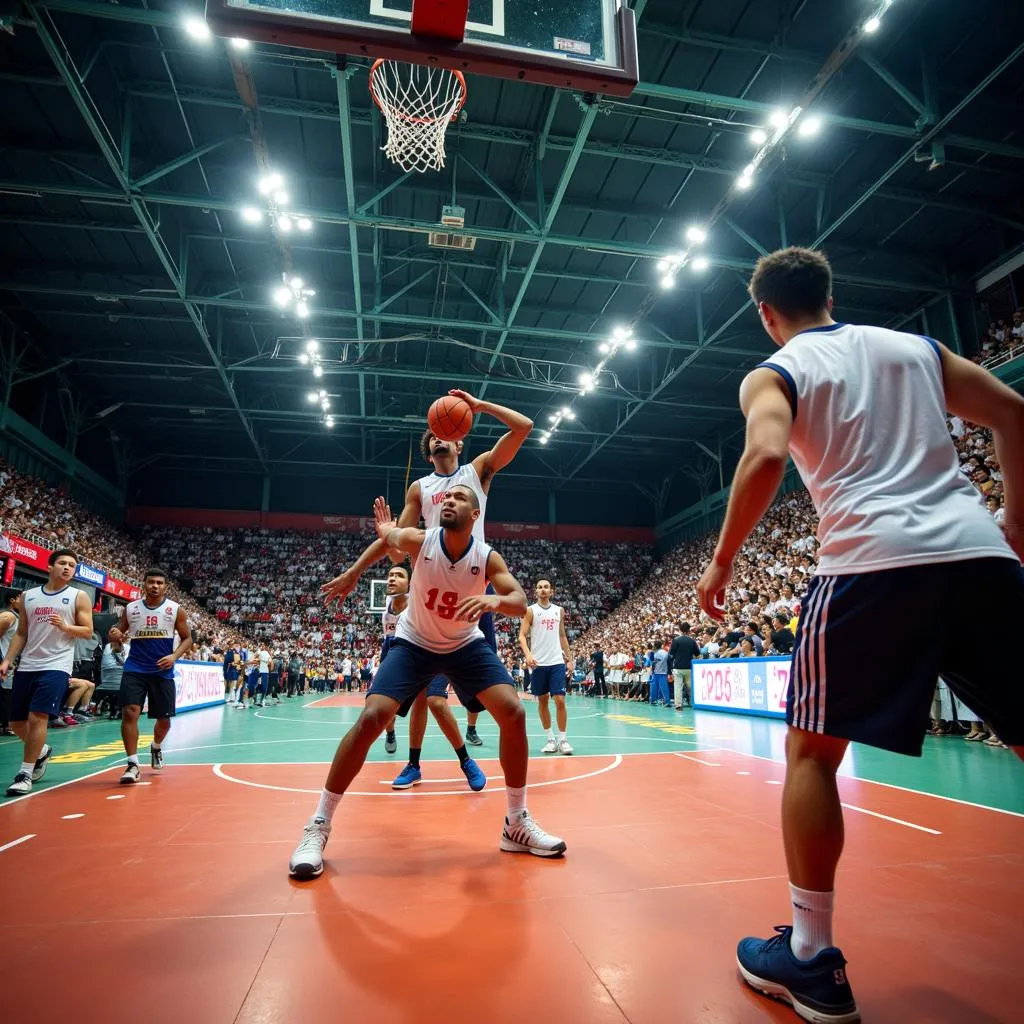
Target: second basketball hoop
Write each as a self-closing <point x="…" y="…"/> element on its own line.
<point x="418" y="104"/>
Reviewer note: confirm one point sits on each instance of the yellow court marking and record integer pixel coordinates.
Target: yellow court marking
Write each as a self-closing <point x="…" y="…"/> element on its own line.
<point x="98" y="752"/>
<point x="676" y="730"/>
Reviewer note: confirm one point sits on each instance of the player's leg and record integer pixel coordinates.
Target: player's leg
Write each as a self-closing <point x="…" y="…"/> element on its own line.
<point x="35" y="696"/>
<point x="411" y="775"/>
<point x="134" y="690"/>
<point x="437" y="703"/>
<point x="390" y="741"/>
<point x="544" y="714"/>
<point x="487" y="628"/>
<point x="162" y="708"/>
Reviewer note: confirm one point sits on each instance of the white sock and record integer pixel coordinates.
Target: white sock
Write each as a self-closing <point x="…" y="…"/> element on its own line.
<point x="133" y="759"/>
<point x="561" y="737"/>
<point x="154" y="746"/>
<point x="27" y="767"/>
<point x="45" y="750"/>
<point x="551" y="734"/>
<point x="812" y="921"/>
<point x="516" y="801"/>
<point x="328" y="805"/>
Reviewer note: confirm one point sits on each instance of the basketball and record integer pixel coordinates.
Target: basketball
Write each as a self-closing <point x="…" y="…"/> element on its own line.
<point x="450" y="418"/>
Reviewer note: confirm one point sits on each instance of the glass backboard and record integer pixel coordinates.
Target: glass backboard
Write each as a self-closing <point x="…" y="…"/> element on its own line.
<point x="586" y="45"/>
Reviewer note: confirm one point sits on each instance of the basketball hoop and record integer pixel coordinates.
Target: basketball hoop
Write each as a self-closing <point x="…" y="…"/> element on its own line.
<point x="418" y="104"/>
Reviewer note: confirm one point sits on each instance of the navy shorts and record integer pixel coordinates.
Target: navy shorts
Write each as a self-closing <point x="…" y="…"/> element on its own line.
<point x="230" y="675"/>
<point x="409" y="669"/>
<point x="161" y="692"/>
<point x="37" y="691"/>
<point x="545" y="679"/>
<point x="438" y="687"/>
<point x="486" y="625"/>
<point x="840" y="686"/>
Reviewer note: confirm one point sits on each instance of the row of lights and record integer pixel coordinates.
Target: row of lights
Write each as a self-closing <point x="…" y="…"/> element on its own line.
<point x="622" y="338"/>
<point x="320" y="397"/>
<point x="293" y="294"/>
<point x="272" y="187"/>
<point x="198" y="30"/>
<point x="671" y="265"/>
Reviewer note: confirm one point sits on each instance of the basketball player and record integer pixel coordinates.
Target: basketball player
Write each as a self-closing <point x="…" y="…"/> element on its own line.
<point x="55" y="615"/>
<point x="547" y="655"/>
<point x="862" y="412"/>
<point x="150" y="624"/>
<point x="439" y="634"/>
<point x="397" y="600"/>
<point x="423" y="501"/>
<point x="10" y="616"/>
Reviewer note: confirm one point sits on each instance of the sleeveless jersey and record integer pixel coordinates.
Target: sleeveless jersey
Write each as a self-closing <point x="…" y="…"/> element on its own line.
<point x="46" y="647"/>
<point x="870" y="442"/>
<point x="389" y="620"/>
<point x="438" y="585"/>
<point x="545" y="635"/>
<point x="152" y="634"/>
<point x="433" y="489"/>
<point x="5" y="640"/>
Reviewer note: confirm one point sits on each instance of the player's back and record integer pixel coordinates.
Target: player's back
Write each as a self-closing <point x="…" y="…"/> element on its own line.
<point x="870" y="440"/>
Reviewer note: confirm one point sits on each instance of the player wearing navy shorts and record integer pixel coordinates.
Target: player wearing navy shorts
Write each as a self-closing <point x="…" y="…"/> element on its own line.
<point x="423" y="501"/>
<point x="52" y="618"/>
<point x="862" y="411"/>
<point x="546" y="649"/>
<point x="151" y="625"/>
<point x="397" y="599"/>
<point x="439" y="634"/>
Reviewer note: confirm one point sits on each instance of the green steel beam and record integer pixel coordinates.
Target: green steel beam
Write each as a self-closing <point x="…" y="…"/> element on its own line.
<point x="589" y="116"/>
<point x="384" y="303"/>
<point x="186" y="158"/>
<point x="87" y="109"/>
<point x="894" y="83"/>
<point x="710" y="41"/>
<point x="500" y="193"/>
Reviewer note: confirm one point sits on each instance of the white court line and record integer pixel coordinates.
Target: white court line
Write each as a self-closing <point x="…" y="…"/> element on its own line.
<point x="335" y="724"/>
<point x="17" y="842"/>
<point x="218" y="770"/>
<point x="60" y="785"/>
<point x="890" y="785"/>
<point x="690" y="757"/>
<point x="885" y="817"/>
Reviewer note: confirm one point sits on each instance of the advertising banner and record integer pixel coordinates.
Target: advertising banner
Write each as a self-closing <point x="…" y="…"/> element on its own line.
<point x="199" y="684"/>
<point x="121" y="589"/>
<point x="87" y="574"/>
<point x="28" y="553"/>
<point x="752" y="686"/>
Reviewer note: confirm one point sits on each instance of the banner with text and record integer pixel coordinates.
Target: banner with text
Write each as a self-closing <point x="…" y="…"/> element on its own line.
<point x="199" y="684"/>
<point x="752" y="686"/>
<point x="35" y="555"/>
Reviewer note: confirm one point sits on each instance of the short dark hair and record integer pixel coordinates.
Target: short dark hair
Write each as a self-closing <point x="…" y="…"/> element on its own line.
<point x="795" y="281"/>
<point x="155" y="572"/>
<point x="782" y="617"/>
<point x="402" y="566"/>
<point x="684" y="627"/>
<point x="474" y="497"/>
<point x="9" y="594"/>
<point x="425" y="444"/>
<point x="60" y="553"/>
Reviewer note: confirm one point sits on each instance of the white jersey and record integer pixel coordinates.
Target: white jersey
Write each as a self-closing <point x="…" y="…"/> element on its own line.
<point x="871" y="443"/>
<point x="389" y="620"/>
<point x="5" y="640"/>
<point x="46" y="647"/>
<point x="438" y="586"/>
<point x="546" y="635"/>
<point x="433" y="489"/>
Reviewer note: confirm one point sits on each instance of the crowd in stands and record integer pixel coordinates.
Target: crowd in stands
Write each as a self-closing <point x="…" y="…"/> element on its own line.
<point x="1003" y="340"/>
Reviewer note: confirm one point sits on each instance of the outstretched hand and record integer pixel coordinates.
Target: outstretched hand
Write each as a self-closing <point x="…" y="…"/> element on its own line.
<point x="383" y="519"/>
<point x="474" y="403"/>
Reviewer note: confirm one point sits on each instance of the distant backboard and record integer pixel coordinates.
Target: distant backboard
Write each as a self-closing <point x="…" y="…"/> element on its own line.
<point x="585" y="45"/>
<point x="378" y="595"/>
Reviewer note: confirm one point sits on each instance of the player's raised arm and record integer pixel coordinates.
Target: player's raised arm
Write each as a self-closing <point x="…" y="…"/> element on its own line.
<point x="407" y="539"/>
<point x="504" y="451"/>
<point x="508" y="598"/>
<point x="975" y="394"/>
<point x="342" y="585"/>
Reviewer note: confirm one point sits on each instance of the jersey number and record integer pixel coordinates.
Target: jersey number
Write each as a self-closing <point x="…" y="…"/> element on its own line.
<point x="446" y="608"/>
<point x="152" y="620"/>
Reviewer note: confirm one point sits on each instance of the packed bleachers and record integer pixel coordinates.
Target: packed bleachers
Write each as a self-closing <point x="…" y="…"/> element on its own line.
<point x="1004" y="340"/>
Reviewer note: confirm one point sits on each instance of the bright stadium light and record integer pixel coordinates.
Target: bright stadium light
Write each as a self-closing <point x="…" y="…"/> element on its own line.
<point x="568" y="413"/>
<point x="197" y="28"/>
<point x="312" y="345"/>
<point x="696" y="234"/>
<point x="270" y="182"/>
<point x="304" y="224"/>
<point x="746" y="179"/>
<point x="302" y="309"/>
<point x="758" y="136"/>
<point x="284" y="223"/>
<point x="700" y="264"/>
<point x="631" y="345"/>
<point x="329" y="422"/>
<point x="604" y="348"/>
<point x="239" y="44"/>
<point x="303" y="358"/>
<point x="778" y="119"/>
<point x="282" y="296"/>
<point x="872" y="25"/>
<point x="809" y="126"/>
<point x="668" y="282"/>
<point x="318" y="370"/>
<point x="543" y="438"/>
<point x="281" y="198"/>
<point x="312" y="396"/>
<point x="251" y="215"/>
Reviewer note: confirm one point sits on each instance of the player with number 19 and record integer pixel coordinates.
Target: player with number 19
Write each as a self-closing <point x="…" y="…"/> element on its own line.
<point x="439" y="633"/>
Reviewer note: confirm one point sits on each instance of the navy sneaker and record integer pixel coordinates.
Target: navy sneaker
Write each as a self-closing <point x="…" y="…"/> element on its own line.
<point x="408" y="777"/>
<point x="817" y="988"/>
<point x="474" y="776"/>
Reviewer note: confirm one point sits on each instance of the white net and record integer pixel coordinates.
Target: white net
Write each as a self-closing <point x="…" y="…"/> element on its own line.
<point x="418" y="104"/>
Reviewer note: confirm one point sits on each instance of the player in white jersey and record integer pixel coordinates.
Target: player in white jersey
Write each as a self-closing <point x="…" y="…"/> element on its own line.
<point x="151" y="625"/>
<point x="546" y="649"/>
<point x="53" y="617"/>
<point x="439" y="633"/>
<point x="423" y="501"/>
<point x="397" y="600"/>
<point x="862" y="411"/>
<point x="10" y="616"/>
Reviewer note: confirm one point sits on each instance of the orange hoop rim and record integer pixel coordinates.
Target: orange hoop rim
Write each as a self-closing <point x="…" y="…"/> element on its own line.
<point x="458" y="75"/>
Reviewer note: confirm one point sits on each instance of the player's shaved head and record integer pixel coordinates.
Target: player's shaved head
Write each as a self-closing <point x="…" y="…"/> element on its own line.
<point x="474" y="498"/>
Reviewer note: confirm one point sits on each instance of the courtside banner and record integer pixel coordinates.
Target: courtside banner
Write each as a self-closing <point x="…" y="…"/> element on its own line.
<point x="199" y="684"/>
<point x="121" y="589"/>
<point x="749" y="686"/>
<point x="28" y="553"/>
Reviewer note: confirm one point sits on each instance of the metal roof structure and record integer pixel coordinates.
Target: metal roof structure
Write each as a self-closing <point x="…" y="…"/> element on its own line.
<point x="138" y="304"/>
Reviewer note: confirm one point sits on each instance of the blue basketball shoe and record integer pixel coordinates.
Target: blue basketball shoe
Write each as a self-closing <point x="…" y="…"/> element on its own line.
<point x="408" y="777"/>
<point x="817" y="988"/>
<point x="474" y="776"/>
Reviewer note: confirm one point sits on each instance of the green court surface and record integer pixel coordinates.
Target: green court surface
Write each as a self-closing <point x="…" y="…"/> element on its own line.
<point x="305" y="731"/>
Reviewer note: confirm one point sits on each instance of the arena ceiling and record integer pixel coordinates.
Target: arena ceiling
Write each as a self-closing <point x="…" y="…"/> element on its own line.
<point x="139" y="304"/>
